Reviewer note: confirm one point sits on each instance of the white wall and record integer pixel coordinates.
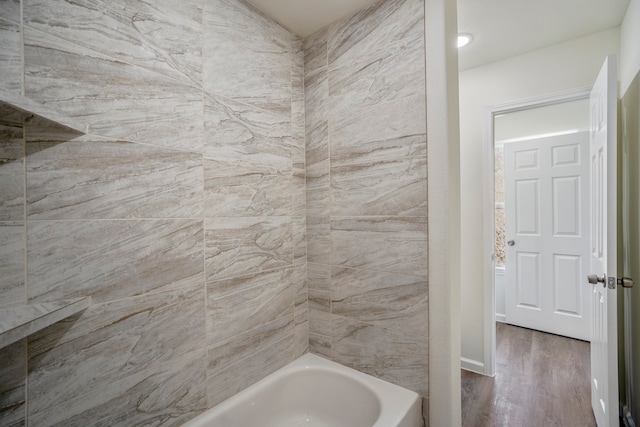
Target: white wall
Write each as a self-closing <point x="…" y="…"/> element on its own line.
<point x="629" y="45"/>
<point x="570" y="65"/>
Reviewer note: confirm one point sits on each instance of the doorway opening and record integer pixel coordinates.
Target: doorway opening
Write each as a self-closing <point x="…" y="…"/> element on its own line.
<point x="558" y="114"/>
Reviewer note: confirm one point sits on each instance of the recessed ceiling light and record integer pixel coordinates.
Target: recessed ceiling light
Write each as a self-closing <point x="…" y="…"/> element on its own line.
<point x="464" y="39"/>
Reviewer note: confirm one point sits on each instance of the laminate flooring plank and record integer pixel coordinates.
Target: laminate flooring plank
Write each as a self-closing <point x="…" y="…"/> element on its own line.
<point x="541" y="380"/>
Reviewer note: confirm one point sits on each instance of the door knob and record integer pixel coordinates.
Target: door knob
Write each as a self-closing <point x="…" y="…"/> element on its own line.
<point x="511" y="242"/>
<point x="626" y="282"/>
<point x="594" y="279"/>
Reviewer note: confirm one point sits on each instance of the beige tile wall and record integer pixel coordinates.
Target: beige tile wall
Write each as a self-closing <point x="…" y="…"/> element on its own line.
<point x="182" y="214"/>
<point x="229" y="164"/>
<point x="367" y="192"/>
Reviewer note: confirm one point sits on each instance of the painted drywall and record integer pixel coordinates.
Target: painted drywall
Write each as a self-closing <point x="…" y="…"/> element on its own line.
<point x="569" y="65"/>
<point x="629" y="45"/>
<point x="443" y="157"/>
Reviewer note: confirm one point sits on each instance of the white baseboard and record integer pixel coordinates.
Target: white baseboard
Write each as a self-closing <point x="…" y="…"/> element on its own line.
<point x="472" y="365"/>
<point x="501" y="318"/>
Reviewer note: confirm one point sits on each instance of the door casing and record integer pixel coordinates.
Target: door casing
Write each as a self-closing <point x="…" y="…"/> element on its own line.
<point x="488" y="209"/>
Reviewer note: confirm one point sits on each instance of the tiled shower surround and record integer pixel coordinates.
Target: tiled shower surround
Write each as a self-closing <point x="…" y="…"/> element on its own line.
<point x="194" y="214"/>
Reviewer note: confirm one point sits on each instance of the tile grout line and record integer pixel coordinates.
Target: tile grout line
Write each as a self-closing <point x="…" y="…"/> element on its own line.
<point x="328" y="104"/>
<point x="293" y="283"/>
<point x="306" y="234"/>
<point x="24" y="226"/>
<point x="22" y="88"/>
<point x="202" y="210"/>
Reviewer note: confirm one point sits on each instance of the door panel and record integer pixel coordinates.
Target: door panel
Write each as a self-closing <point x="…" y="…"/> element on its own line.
<point x="567" y="299"/>
<point x="566" y="206"/>
<point x="528" y="267"/>
<point x="528" y="205"/>
<point x="546" y="207"/>
<point x="566" y="155"/>
<point x="603" y="259"/>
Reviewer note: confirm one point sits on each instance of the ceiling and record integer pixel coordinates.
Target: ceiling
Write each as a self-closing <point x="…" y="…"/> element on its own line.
<point x="501" y="28"/>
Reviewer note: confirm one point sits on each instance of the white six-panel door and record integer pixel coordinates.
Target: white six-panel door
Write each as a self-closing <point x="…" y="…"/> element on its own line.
<point x="603" y="247"/>
<point x="547" y="222"/>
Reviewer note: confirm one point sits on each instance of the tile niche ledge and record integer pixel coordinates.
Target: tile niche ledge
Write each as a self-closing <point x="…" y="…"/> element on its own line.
<point x="25" y="108"/>
<point x="19" y="322"/>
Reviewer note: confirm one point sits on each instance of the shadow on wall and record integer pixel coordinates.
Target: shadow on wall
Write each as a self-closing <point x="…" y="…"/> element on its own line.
<point x="630" y="378"/>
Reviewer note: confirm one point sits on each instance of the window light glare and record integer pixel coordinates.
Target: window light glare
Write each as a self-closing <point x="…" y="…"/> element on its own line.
<point x="464" y="39"/>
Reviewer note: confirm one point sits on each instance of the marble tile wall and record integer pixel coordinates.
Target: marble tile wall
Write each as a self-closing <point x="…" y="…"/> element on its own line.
<point x="367" y="192"/>
<point x="182" y="212"/>
<point x="11" y="42"/>
<point x="243" y="196"/>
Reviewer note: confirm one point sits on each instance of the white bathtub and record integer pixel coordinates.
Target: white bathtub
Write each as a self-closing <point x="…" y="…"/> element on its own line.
<point x="315" y="392"/>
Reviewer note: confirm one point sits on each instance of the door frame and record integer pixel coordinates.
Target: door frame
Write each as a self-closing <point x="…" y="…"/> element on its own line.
<point x="488" y="208"/>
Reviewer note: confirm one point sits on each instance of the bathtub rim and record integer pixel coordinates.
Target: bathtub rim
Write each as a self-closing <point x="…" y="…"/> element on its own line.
<point x="396" y="402"/>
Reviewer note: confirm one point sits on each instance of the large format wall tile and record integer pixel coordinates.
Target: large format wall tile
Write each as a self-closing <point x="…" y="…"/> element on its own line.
<point x="9" y="116"/>
<point x="163" y="35"/>
<point x="246" y="136"/>
<point x="243" y="303"/>
<point x="319" y="282"/>
<point x="389" y="300"/>
<point x="12" y="289"/>
<point x="245" y="359"/>
<point x="241" y="346"/>
<point x="119" y="214"/>
<point x="238" y="246"/>
<point x="297" y="74"/>
<point x="248" y="166"/>
<point x="320" y="333"/>
<point x="109" y="260"/>
<point x="395" y="356"/>
<point x="117" y="99"/>
<point x="319" y="240"/>
<point x="391" y="187"/>
<point x="109" y="343"/>
<point x="298" y="130"/>
<point x="317" y="143"/>
<point x="381" y="24"/>
<point x="298" y="188"/>
<point x="301" y="332"/>
<point x="11" y="173"/>
<point x="10" y="54"/>
<point x="13" y="359"/>
<point x="315" y="52"/>
<point x="379" y="132"/>
<point x="299" y="232"/>
<point x="389" y="73"/>
<point x="318" y="192"/>
<point x="301" y="310"/>
<point x="247" y="57"/>
<point x="10" y="10"/>
<point x="299" y="205"/>
<point x="367" y="228"/>
<point x="297" y="96"/>
<point x="391" y="244"/>
<point x="91" y="177"/>
<point x="167" y="394"/>
<point x="235" y="190"/>
<point x="316" y="102"/>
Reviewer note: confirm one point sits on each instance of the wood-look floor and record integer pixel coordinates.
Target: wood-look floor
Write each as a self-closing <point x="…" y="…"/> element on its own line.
<point x="541" y="380"/>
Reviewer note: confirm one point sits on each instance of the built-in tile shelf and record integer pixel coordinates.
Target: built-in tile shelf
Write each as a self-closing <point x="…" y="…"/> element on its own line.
<point x="19" y="322"/>
<point x="25" y="108"/>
